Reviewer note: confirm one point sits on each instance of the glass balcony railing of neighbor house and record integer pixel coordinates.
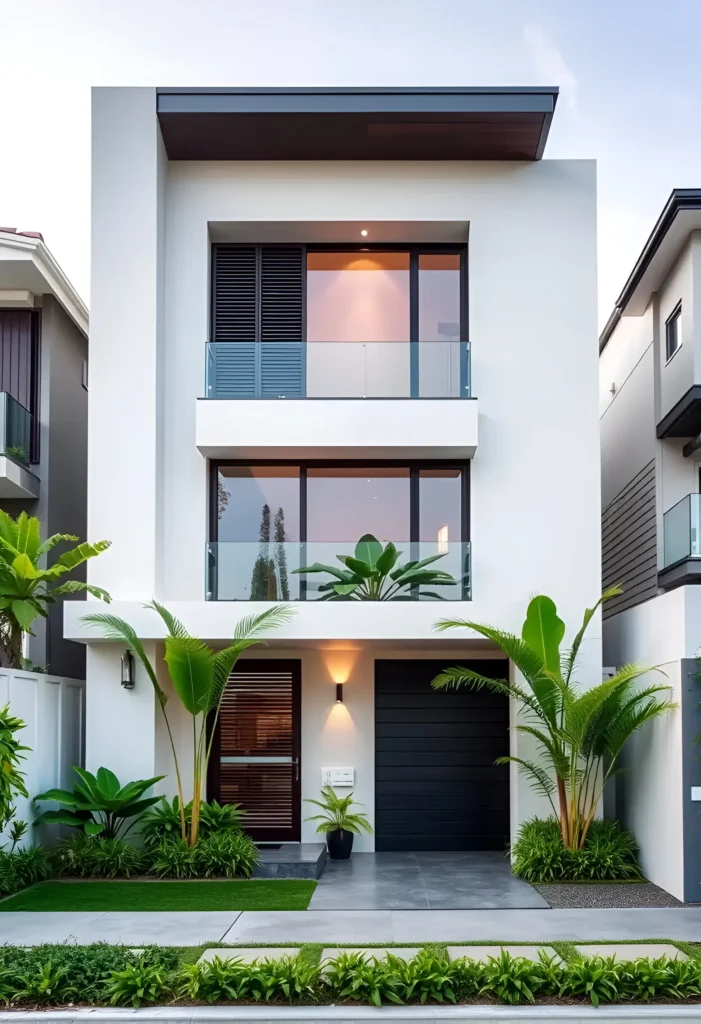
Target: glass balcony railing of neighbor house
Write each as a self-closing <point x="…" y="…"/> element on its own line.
<point x="338" y="369"/>
<point x="254" y="571"/>
<point x="682" y="530"/>
<point x="15" y="429"/>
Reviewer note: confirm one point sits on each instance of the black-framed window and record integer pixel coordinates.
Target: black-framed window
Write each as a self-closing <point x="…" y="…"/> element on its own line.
<point x="673" y="332"/>
<point x="268" y="518"/>
<point x="328" y="321"/>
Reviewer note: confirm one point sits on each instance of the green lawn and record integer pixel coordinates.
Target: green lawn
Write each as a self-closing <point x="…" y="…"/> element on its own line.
<point x="260" y="894"/>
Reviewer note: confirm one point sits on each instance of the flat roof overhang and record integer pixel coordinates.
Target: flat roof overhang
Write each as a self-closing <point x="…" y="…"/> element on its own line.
<point x="356" y="124"/>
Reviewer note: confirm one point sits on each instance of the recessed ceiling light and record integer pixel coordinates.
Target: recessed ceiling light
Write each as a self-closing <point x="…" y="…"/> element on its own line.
<point x="364" y="233"/>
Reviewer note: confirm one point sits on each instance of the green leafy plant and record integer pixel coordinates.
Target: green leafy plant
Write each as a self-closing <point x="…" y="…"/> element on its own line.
<point x="21" y="868"/>
<point x="225" y="855"/>
<point x="374" y="574"/>
<point x="26" y="589"/>
<point x="599" y="979"/>
<point x="162" y="822"/>
<point x="425" y="978"/>
<point x="337" y="813"/>
<point x="99" y="804"/>
<point x="16" y="451"/>
<point x="579" y="732"/>
<point x="287" y="978"/>
<point x="45" y="984"/>
<point x="353" y="976"/>
<point x="11" y="774"/>
<point x="138" y="984"/>
<point x="608" y="854"/>
<point x="85" y="856"/>
<point x="173" y="858"/>
<point x="199" y="675"/>
<point x="511" y="979"/>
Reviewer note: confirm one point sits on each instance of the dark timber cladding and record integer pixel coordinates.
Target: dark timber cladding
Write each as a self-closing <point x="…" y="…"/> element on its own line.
<point x="356" y="124"/>
<point x="436" y="784"/>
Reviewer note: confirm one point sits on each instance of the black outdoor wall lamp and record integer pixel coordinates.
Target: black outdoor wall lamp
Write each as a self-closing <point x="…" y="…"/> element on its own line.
<point x="128" y="673"/>
<point x="339" y="693"/>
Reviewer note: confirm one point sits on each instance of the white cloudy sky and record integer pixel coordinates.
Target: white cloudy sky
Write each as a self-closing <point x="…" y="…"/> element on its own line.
<point x="629" y="74"/>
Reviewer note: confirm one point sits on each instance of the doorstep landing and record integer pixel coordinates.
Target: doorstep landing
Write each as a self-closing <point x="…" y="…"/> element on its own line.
<point x="292" y="860"/>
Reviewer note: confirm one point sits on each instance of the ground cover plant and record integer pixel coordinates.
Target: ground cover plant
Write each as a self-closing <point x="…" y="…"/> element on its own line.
<point x="116" y="976"/>
<point x="609" y="854"/>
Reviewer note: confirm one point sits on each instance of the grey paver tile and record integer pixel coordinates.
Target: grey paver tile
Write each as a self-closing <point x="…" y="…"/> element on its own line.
<point x="632" y="950"/>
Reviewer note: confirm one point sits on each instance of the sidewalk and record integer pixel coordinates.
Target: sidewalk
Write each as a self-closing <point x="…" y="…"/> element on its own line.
<point x="350" y="926"/>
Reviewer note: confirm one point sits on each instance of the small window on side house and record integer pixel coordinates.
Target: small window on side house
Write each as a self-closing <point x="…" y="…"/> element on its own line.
<point x="673" y="332"/>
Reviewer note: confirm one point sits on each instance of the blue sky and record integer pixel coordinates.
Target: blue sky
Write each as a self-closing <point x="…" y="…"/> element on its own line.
<point x="629" y="74"/>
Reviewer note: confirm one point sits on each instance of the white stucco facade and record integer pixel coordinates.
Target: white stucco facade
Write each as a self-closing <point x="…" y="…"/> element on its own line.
<point x="534" y="471"/>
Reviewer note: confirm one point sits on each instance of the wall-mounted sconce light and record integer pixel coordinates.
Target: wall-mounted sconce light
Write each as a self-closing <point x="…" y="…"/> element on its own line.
<point x="128" y="673"/>
<point x="339" y="693"/>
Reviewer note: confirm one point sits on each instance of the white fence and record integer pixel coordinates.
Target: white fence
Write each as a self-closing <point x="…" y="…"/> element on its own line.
<point x="53" y="708"/>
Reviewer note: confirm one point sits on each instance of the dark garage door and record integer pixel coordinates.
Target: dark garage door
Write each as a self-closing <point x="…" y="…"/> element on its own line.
<point x="436" y="784"/>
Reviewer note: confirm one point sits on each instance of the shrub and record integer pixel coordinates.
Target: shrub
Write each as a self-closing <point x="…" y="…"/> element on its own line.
<point x="98" y="804"/>
<point x="162" y="822"/>
<point x="139" y="984"/>
<point x="225" y="855"/>
<point x="23" y="868"/>
<point x="597" y="978"/>
<point x="221" y="980"/>
<point x="173" y="858"/>
<point x="609" y="854"/>
<point x="96" y="857"/>
<point x="220" y="855"/>
<point x="46" y="983"/>
<point x="515" y="979"/>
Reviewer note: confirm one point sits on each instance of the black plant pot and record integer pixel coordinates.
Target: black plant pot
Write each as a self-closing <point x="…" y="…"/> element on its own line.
<point x="339" y="843"/>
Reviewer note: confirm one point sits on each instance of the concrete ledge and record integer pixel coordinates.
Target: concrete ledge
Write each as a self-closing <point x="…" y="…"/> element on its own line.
<point x="349" y="1014"/>
<point x="16" y="481"/>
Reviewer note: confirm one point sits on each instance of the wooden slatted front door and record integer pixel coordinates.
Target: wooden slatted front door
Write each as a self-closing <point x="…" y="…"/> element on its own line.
<point x="256" y="754"/>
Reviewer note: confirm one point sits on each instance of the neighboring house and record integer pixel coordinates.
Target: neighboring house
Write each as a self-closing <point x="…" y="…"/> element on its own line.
<point x="43" y="411"/>
<point x="650" y="398"/>
<point x="317" y="314"/>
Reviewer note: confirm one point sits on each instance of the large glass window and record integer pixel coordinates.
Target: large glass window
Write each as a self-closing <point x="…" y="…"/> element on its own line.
<point x="439" y="325"/>
<point x="270" y="520"/>
<point x="257" y="530"/>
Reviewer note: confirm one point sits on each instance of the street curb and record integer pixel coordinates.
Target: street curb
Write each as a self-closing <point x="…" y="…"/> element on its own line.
<point x="330" y="1014"/>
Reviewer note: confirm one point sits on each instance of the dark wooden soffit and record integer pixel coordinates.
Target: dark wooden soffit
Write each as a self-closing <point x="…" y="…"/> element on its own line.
<point x="684" y="419"/>
<point x="343" y="124"/>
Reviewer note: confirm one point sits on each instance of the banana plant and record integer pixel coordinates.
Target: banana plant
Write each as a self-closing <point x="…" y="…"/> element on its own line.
<point x="99" y="804"/>
<point x="26" y="589"/>
<point x="199" y="675"/>
<point x="373" y="573"/>
<point x="579" y="732"/>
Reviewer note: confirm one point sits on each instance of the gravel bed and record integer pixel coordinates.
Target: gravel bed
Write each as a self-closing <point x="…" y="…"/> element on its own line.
<point x="611" y="895"/>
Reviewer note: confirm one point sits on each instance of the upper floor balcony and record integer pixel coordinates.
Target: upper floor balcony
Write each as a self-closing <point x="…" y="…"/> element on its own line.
<point x="682" y="543"/>
<point x="341" y="351"/>
<point x="338" y="398"/>
<point x="16" y="479"/>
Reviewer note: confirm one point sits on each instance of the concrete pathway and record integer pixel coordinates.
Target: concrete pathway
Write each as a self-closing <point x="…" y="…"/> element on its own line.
<point x="423" y="881"/>
<point x="350" y="926"/>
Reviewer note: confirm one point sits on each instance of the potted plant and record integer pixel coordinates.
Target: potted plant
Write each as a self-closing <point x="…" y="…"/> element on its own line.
<point x="338" y="822"/>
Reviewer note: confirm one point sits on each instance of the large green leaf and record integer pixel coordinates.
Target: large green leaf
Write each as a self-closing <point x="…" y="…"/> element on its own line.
<point x="363" y="569"/>
<point x="190" y="663"/>
<point x="333" y="570"/>
<point x="60" y="818"/>
<point x="78" y="587"/>
<point x="81" y="553"/>
<point x="24" y="567"/>
<point x="543" y="631"/>
<point x="368" y="549"/>
<point x="571" y="658"/>
<point x="62" y="796"/>
<point x="107" y="783"/>
<point x="25" y="612"/>
<point x="388" y="559"/>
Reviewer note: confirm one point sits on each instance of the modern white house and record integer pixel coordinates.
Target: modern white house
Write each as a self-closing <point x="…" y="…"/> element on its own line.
<point x="650" y="401"/>
<point x="43" y="411"/>
<point x="318" y="314"/>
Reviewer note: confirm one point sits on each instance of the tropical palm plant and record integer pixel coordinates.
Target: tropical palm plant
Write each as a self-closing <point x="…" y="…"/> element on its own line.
<point x="372" y="574"/>
<point x="337" y="813"/>
<point x="99" y="804"/>
<point x="579" y="732"/>
<point x="199" y="675"/>
<point x="25" y="589"/>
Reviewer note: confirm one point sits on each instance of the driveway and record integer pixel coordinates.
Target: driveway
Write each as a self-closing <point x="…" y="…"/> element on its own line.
<point x="423" y="881"/>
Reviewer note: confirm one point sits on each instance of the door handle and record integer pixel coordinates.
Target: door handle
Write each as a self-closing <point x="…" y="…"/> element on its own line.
<point x="295" y="762"/>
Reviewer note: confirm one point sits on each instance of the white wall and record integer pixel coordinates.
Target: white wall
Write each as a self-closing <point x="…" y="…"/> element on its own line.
<point x="53" y="709"/>
<point x="661" y="632"/>
<point x="679" y="373"/>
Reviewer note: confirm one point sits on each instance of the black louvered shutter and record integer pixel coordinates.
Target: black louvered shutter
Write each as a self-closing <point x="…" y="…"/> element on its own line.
<point x="258" y="307"/>
<point x="282" y="322"/>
